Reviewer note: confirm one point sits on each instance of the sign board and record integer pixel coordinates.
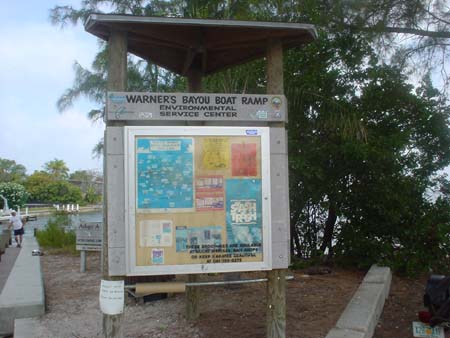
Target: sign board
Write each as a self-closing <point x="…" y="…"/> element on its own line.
<point x="112" y="297"/>
<point x="89" y="236"/>
<point x="423" y="330"/>
<point x="198" y="199"/>
<point x="195" y="107"/>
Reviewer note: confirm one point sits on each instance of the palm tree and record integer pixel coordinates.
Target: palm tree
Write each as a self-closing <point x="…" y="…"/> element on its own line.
<point x="57" y="169"/>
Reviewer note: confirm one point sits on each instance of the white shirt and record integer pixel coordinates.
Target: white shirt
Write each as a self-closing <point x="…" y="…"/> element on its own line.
<point x="16" y="222"/>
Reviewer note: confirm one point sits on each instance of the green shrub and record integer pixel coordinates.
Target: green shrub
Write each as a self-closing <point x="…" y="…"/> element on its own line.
<point x="57" y="234"/>
<point x="91" y="197"/>
<point x="45" y="188"/>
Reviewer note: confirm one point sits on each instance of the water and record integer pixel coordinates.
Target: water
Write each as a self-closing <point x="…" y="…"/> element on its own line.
<point x="41" y="222"/>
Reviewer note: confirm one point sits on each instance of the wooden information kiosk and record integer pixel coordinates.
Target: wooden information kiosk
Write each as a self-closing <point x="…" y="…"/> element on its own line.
<point x="194" y="182"/>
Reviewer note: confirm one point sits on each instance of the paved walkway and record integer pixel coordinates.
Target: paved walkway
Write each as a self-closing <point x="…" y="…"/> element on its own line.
<point x="7" y="263"/>
<point x="22" y="295"/>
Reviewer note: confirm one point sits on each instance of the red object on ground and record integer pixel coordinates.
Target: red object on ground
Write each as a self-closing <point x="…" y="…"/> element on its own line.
<point x="424" y="316"/>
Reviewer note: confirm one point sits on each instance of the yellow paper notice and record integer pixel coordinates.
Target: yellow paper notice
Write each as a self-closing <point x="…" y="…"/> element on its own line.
<point x="216" y="153"/>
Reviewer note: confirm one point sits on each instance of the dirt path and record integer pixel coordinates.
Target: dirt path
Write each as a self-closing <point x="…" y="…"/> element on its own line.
<point x="313" y="307"/>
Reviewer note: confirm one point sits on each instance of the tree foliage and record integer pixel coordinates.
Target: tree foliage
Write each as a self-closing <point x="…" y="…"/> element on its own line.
<point x="45" y="188"/>
<point x="10" y="171"/>
<point x="365" y="146"/>
<point x="57" y="169"/>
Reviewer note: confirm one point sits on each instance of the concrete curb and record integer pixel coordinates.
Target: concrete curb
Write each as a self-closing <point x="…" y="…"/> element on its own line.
<point x="361" y="315"/>
<point x="26" y="328"/>
<point x="23" y="294"/>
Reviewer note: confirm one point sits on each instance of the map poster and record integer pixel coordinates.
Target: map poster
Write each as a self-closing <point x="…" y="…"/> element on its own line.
<point x="216" y="153"/>
<point x="243" y="158"/>
<point x="243" y="215"/>
<point x="209" y="193"/>
<point x="165" y="171"/>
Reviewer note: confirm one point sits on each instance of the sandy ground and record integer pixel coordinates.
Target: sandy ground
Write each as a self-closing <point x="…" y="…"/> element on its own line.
<point x="401" y="308"/>
<point x="314" y="305"/>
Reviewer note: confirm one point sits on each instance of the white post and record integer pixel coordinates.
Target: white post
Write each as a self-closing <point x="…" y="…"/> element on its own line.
<point x="78" y="207"/>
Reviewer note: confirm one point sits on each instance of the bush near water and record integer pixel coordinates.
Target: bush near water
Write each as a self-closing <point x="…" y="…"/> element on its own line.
<point x="58" y="234"/>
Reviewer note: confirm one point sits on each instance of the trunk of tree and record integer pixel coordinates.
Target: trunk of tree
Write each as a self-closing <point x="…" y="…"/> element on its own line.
<point x="328" y="231"/>
<point x="295" y="240"/>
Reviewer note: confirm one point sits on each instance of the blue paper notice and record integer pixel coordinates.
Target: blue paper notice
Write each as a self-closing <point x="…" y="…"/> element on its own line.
<point x="165" y="174"/>
<point x="244" y="218"/>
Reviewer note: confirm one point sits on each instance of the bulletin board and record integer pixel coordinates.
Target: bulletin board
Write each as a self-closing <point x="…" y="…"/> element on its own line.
<point x="198" y="199"/>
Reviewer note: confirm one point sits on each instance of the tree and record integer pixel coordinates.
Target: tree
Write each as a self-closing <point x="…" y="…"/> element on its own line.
<point x="57" y="169"/>
<point x="36" y="185"/>
<point x="348" y="189"/>
<point x="45" y="188"/>
<point x="89" y="181"/>
<point x="64" y="192"/>
<point x="10" y="171"/>
<point x="365" y="146"/>
<point x="87" y="176"/>
<point x="91" y="196"/>
<point x="15" y="194"/>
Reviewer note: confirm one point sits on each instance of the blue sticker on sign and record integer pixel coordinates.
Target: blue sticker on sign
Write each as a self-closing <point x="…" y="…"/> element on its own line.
<point x="118" y="99"/>
<point x="251" y="132"/>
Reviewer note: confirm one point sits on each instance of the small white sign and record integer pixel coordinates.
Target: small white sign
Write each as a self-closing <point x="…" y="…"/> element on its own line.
<point x="112" y="297"/>
<point x="422" y="330"/>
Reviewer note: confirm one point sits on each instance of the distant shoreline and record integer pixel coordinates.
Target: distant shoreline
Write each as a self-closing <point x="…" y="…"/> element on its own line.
<point x="51" y="210"/>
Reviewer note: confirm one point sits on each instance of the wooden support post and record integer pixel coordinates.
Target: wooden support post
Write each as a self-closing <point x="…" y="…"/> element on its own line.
<point x="276" y="303"/>
<point x="194" y="78"/>
<point x="192" y="299"/>
<point x="275" y="82"/>
<point x="112" y="325"/>
<point x="82" y="261"/>
<point x="276" y="284"/>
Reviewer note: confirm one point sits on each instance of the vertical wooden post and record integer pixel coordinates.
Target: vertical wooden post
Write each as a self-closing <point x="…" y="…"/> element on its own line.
<point x="82" y="261"/>
<point x="276" y="285"/>
<point x="194" y="78"/>
<point x="117" y="81"/>
<point x="275" y="81"/>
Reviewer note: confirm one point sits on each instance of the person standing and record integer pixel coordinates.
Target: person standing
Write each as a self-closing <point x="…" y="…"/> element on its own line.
<point x="17" y="225"/>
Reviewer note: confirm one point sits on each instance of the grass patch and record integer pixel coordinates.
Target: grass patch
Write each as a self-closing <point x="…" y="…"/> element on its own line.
<point x="57" y="235"/>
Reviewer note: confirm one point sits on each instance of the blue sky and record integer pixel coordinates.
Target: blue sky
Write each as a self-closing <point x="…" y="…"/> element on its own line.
<point x="36" y="62"/>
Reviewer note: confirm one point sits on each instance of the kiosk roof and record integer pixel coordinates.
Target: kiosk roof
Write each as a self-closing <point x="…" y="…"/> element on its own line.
<point x="179" y="44"/>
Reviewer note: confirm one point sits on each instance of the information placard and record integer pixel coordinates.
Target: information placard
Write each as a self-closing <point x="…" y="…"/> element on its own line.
<point x="89" y="236"/>
<point x="145" y="106"/>
<point x="198" y="199"/>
